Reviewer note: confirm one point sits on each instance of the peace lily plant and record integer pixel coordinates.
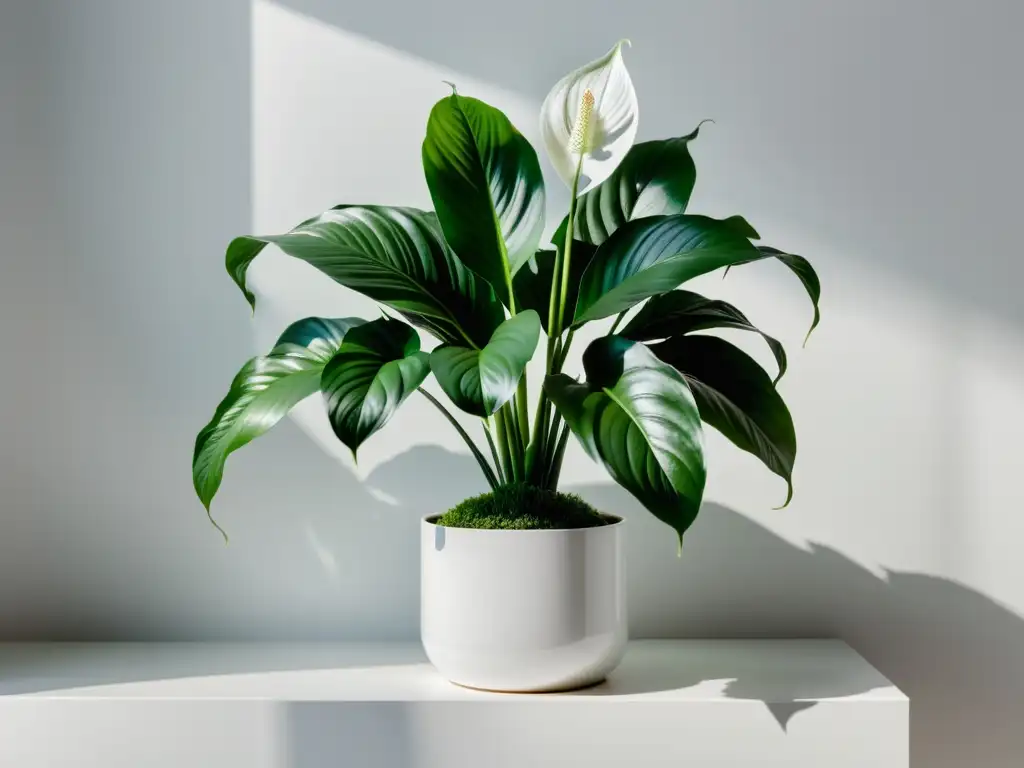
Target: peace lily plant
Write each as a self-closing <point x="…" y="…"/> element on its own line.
<point x="473" y="274"/>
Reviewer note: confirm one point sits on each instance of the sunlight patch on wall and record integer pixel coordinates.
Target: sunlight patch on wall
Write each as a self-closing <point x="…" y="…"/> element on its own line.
<point x="907" y="402"/>
<point x="338" y="118"/>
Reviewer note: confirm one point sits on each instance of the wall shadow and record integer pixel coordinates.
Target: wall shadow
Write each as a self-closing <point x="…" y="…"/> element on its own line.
<point x="785" y="682"/>
<point x="956" y="653"/>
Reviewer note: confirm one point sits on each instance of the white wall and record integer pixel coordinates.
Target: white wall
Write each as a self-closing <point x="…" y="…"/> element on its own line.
<point x="880" y="139"/>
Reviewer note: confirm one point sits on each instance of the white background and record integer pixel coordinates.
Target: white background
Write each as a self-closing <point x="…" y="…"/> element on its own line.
<point x="880" y="139"/>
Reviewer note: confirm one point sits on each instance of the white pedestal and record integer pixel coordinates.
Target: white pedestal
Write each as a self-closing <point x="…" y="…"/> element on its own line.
<point x="705" y="704"/>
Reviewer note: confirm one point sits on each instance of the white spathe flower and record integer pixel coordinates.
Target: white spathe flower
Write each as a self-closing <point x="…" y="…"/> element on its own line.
<point x="590" y="112"/>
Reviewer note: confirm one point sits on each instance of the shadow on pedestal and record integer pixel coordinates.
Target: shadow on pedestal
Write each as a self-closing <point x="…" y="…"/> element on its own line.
<point x="958" y="654"/>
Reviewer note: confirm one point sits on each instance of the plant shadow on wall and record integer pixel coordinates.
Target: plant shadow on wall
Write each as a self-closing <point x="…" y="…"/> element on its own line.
<point x="950" y="663"/>
<point x="956" y="653"/>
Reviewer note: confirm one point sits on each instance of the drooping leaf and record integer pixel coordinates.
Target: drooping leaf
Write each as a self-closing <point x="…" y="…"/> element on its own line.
<point x="375" y="369"/>
<point x="655" y="178"/>
<point x="655" y="255"/>
<point x="680" y="312"/>
<point x="481" y="381"/>
<point x="396" y="256"/>
<point x="737" y="398"/>
<point x="800" y="267"/>
<point x="636" y="416"/>
<point x="487" y="188"/>
<point x="601" y="128"/>
<point x="263" y="392"/>
<point x="532" y="283"/>
<point x="240" y="254"/>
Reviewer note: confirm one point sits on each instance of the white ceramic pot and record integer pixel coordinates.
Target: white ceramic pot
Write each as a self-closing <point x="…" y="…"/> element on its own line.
<point x="523" y="611"/>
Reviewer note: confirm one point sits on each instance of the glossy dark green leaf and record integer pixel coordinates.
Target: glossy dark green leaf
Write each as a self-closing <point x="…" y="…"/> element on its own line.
<point x="487" y="187"/>
<point x="636" y="416"/>
<point x="742" y="227"/>
<point x="737" y="398"/>
<point x="396" y="256"/>
<point x="481" y="381"/>
<point x="263" y="392"/>
<point x="532" y="283"/>
<point x="655" y="178"/>
<point x="375" y="369"/>
<point x="655" y="255"/>
<point x="800" y="267"/>
<point x="677" y="313"/>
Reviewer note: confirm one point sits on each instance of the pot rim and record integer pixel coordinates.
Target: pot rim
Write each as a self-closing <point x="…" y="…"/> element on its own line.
<point x="615" y="522"/>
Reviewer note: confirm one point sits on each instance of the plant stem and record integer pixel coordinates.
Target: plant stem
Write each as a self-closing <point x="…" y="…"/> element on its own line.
<point x="618" y="321"/>
<point x="551" y="481"/>
<point x="480" y="459"/>
<point x="536" y="456"/>
<point x="506" y="443"/>
<point x="563" y="350"/>
<point x="540" y="419"/>
<point x="567" y="247"/>
<point x="556" y="317"/>
<point x="560" y="357"/>
<point x="522" y="401"/>
<point x="494" y="452"/>
<point x="553" y="308"/>
<point x="519" y="444"/>
<point x="550" y="434"/>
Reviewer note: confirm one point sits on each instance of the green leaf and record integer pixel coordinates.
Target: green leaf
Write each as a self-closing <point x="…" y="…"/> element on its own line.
<point x="800" y="267"/>
<point x="680" y="312"/>
<point x="396" y="256"/>
<point x="487" y="188"/>
<point x="742" y="227"/>
<point x="481" y="381"/>
<point x="655" y="178"/>
<point x="636" y="416"/>
<point x="240" y="254"/>
<point x="375" y="369"/>
<point x="532" y="283"/>
<point x="263" y="392"/>
<point x="655" y="255"/>
<point x="737" y="398"/>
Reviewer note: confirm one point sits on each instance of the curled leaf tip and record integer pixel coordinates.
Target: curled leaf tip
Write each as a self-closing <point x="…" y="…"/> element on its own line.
<point x="623" y="42"/>
<point x="789" y="496"/>
<point x="450" y="84"/>
<point x="811" y="329"/>
<point x="696" y="131"/>
<point x="214" y="523"/>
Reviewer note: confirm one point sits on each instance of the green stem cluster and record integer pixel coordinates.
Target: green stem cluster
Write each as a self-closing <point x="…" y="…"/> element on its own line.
<point x="519" y="453"/>
<point x="546" y="457"/>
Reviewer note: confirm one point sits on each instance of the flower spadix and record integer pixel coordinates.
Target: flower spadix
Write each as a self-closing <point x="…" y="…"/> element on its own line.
<point x="590" y="117"/>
